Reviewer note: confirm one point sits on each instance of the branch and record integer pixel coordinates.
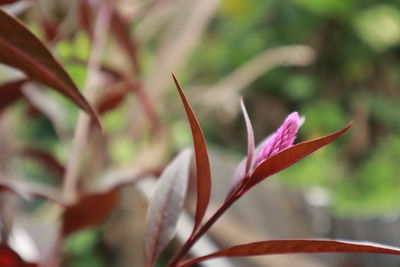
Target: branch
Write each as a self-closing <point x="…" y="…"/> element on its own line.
<point x="226" y="91"/>
<point x="82" y="129"/>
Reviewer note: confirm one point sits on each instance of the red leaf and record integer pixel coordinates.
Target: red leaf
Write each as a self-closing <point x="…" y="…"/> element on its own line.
<point x="111" y="99"/>
<point x="297" y="246"/>
<point x="165" y="206"/>
<point x="10" y="92"/>
<point x="85" y="16"/>
<point x="90" y="210"/>
<point x="202" y="161"/>
<point x="289" y="156"/>
<point x="6" y="2"/>
<point x="9" y="258"/>
<point x="20" y="49"/>
<point x="51" y="27"/>
<point x="121" y="31"/>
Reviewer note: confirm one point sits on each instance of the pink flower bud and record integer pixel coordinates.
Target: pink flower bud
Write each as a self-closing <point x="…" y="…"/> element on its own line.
<point x="282" y="138"/>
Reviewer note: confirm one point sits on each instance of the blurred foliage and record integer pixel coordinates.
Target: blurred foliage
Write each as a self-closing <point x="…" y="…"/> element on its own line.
<point x="374" y="187"/>
<point x="355" y="77"/>
<point x="357" y="43"/>
<point x="83" y="248"/>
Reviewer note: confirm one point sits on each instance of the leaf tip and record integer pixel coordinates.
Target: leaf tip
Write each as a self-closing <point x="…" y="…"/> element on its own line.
<point x="97" y="122"/>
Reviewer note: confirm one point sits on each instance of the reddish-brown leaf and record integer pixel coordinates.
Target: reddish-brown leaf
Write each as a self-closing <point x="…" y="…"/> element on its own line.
<point x="119" y="28"/>
<point x="121" y="31"/>
<point x="297" y="246"/>
<point x="111" y="100"/>
<point x="20" y="49"/>
<point x="85" y="16"/>
<point x="9" y="258"/>
<point x="166" y="206"/>
<point x="289" y="156"/>
<point x="50" y="28"/>
<point x="202" y="162"/>
<point x="10" y="92"/>
<point x="90" y="210"/>
<point x="7" y="2"/>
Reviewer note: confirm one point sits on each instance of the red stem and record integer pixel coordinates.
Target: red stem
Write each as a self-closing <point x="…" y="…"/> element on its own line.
<point x="174" y="262"/>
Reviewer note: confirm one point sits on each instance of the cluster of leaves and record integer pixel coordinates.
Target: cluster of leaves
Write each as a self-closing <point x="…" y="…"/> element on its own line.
<point x="166" y="201"/>
<point x="22" y="50"/>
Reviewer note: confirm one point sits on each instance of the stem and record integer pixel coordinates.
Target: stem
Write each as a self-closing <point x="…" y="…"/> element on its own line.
<point x="71" y="176"/>
<point x="195" y="236"/>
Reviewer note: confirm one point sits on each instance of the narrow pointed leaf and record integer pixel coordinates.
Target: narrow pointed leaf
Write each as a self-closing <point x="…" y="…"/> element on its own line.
<point x="165" y="206"/>
<point x="245" y="167"/>
<point x="51" y="29"/>
<point x="89" y="211"/>
<point x="85" y="16"/>
<point x="203" y="171"/>
<point x="250" y="140"/>
<point x="121" y="31"/>
<point x="272" y="247"/>
<point x="119" y="26"/>
<point x="20" y="49"/>
<point x="289" y="156"/>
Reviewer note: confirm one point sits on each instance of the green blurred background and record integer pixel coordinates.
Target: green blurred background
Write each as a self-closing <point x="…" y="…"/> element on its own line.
<point x="355" y="77"/>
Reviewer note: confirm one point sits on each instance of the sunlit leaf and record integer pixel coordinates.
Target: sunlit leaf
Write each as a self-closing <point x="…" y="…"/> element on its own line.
<point x="165" y="206"/>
